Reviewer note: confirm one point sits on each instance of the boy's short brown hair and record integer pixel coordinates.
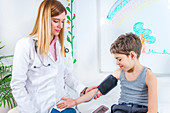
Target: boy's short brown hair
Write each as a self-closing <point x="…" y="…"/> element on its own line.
<point x="126" y="43"/>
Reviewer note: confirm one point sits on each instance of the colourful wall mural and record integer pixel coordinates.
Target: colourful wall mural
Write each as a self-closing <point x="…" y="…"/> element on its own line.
<point x="122" y="10"/>
<point x="145" y="36"/>
<point x="70" y="18"/>
<point x="149" y="19"/>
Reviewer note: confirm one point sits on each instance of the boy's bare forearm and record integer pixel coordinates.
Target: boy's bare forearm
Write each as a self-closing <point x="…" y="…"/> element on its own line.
<point x="88" y="96"/>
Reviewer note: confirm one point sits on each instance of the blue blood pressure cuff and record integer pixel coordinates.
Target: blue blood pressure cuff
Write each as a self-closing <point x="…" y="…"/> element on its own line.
<point x="107" y="84"/>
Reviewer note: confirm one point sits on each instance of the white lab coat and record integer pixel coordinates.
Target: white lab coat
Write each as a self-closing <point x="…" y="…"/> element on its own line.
<point x="37" y="90"/>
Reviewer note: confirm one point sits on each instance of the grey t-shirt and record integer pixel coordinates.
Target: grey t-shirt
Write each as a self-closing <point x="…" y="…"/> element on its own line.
<point x="135" y="91"/>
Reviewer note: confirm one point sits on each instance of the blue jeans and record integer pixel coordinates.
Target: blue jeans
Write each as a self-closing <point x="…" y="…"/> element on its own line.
<point x="68" y="110"/>
<point x="128" y="108"/>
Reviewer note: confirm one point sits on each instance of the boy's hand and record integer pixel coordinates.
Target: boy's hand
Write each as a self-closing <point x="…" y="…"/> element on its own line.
<point x="68" y="102"/>
<point x="94" y="87"/>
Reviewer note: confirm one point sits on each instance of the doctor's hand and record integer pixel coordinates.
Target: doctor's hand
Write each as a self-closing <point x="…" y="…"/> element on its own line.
<point x="68" y="102"/>
<point x="94" y="87"/>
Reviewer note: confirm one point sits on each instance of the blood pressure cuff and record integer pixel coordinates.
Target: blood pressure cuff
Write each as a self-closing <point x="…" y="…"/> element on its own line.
<point x="107" y="84"/>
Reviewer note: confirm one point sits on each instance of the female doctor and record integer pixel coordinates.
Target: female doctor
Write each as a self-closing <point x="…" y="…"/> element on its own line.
<point x="40" y="70"/>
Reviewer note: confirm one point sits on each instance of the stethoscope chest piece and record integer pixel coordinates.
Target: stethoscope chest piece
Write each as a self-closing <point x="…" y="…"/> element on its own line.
<point x="42" y="64"/>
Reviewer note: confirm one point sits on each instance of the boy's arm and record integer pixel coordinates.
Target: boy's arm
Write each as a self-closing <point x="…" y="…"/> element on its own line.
<point x="98" y="94"/>
<point x="116" y="74"/>
<point x="151" y="82"/>
<point x="72" y="102"/>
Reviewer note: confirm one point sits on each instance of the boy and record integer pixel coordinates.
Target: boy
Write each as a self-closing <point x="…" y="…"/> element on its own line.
<point x="138" y="84"/>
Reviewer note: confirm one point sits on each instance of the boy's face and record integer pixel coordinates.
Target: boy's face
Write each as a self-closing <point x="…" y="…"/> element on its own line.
<point x="124" y="62"/>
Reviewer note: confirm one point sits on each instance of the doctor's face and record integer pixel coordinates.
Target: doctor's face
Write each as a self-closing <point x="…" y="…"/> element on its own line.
<point x="57" y="23"/>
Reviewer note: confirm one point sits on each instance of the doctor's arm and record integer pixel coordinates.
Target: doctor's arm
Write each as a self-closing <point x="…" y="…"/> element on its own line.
<point x="19" y="77"/>
<point x="151" y="82"/>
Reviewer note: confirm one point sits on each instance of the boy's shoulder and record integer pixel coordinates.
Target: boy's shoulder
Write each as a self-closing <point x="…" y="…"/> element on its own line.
<point x="116" y="73"/>
<point x="149" y="76"/>
<point x="149" y="72"/>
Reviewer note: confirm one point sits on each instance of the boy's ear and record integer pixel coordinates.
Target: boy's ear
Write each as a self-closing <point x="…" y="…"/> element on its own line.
<point x="133" y="55"/>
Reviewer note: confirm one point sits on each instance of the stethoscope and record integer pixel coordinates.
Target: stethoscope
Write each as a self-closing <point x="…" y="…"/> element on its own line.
<point x="42" y="64"/>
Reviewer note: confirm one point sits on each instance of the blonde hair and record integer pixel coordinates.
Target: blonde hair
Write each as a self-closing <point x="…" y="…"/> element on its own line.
<point x="42" y="27"/>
